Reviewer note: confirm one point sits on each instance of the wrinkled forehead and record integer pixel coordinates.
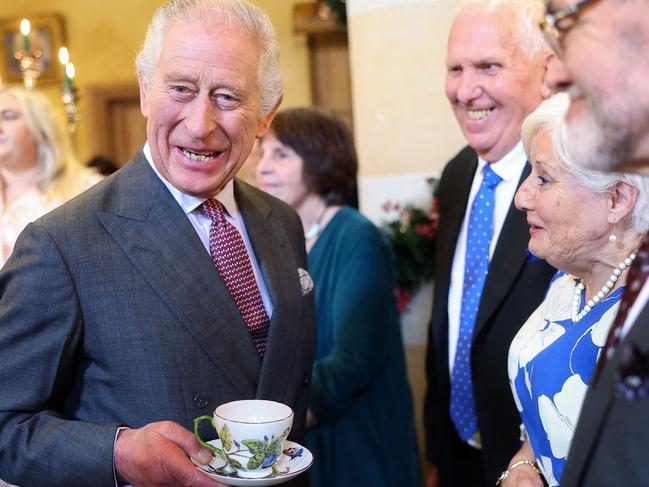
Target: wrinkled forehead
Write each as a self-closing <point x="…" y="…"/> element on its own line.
<point x="479" y="35"/>
<point x="200" y="44"/>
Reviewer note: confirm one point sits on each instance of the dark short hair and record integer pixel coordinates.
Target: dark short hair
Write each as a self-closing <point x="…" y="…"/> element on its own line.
<point x="325" y="145"/>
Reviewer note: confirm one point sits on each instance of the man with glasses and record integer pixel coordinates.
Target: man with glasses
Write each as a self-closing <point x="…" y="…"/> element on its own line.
<point x="485" y="284"/>
<point x="603" y="63"/>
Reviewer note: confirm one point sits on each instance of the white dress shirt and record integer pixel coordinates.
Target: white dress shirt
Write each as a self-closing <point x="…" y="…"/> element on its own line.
<point x="201" y="223"/>
<point x="509" y="168"/>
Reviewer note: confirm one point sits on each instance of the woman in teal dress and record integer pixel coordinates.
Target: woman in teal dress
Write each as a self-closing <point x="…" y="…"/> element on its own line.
<point x="361" y="419"/>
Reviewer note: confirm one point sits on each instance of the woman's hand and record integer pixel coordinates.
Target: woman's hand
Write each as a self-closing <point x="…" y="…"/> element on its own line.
<point x="432" y="480"/>
<point x="522" y="475"/>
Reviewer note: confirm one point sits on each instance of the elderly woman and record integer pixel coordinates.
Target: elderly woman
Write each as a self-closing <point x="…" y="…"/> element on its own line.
<point x="588" y="225"/>
<point x="360" y="410"/>
<point x="38" y="171"/>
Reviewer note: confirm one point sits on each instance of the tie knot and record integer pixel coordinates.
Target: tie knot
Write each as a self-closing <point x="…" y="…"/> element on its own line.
<point x="213" y="209"/>
<point x="491" y="179"/>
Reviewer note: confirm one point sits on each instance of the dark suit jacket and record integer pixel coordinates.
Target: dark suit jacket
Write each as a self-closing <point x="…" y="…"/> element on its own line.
<point x="113" y="314"/>
<point x="514" y="287"/>
<point x="609" y="447"/>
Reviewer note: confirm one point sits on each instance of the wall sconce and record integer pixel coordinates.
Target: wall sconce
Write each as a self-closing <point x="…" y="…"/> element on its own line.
<point x="69" y="96"/>
<point x="27" y="57"/>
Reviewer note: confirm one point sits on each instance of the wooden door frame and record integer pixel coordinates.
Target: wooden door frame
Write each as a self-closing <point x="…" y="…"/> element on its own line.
<point x="100" y="97"/>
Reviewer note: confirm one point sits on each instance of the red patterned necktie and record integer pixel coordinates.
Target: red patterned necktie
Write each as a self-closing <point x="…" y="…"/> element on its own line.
<point x="231" y="259"/>
<point x="638" y="273"/>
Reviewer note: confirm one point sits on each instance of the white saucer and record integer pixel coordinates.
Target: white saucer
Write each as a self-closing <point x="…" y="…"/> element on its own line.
<point x="295" y="460"/>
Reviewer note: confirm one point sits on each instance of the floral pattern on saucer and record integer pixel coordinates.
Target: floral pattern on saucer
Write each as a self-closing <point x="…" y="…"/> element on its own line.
<point x="295" y="459"/>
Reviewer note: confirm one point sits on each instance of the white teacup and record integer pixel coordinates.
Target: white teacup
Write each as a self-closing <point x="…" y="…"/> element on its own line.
<point x="252" y="434"/>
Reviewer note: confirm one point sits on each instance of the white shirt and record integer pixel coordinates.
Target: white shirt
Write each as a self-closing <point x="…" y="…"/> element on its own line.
<point x="509" y="168"/>
<point x="14" y="217"/>
<point x="201" y="223"/>
<point x="29" y="207"/>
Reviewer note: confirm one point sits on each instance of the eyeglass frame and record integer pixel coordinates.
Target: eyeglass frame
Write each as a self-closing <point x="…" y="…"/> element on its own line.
<point x="549" y="24"/>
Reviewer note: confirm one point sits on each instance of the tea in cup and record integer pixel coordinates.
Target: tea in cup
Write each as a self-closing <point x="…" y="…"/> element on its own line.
<point x="252" y="434"/>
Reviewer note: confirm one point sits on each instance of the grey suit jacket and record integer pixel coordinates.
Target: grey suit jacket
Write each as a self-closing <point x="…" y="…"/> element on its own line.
<point x="111" y="313"/>
<point x="609" y="447"/>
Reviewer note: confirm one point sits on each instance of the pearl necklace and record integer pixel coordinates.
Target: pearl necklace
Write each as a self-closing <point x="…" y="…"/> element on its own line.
<point x="315" y="229"/>
<point x="601" y="294"/>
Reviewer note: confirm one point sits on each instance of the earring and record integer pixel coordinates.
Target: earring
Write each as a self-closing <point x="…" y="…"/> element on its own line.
<point x="612" y="237"/>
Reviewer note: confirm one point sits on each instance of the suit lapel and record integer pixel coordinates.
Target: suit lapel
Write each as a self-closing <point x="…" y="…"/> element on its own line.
<point x="280" y="274"/>
<point x="162" y="244"/>
<point x="599" y="399"/>
<point x="508" y="259"/>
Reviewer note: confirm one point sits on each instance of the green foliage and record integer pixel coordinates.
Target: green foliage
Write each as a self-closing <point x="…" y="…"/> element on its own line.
<point x="256" y="460"/>
<point x="338" y="7"/>
<point x="412" y="237"/>
<point x="264" y="453"/>
<point x="234" y="462"/>
<point x="275" y="445"/>
<point x="226" y="437"/>
<point x="253" y="445"/>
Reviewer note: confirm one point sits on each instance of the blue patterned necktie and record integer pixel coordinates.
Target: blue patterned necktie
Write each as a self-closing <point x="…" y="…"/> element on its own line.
<point x="476" y="264"/>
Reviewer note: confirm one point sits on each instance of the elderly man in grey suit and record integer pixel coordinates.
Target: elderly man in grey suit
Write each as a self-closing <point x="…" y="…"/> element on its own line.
<point x="602" y="47"/>
<point x="167" y="290"/>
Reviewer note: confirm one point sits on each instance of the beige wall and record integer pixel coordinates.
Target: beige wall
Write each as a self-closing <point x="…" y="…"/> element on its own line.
<point x="403" y="122"/>
<point x="405" y="130"/>
<point x="103" y="38"/>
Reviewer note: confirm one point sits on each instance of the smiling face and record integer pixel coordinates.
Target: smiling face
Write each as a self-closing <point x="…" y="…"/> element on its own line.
<point x="202" y="106"/>
<point x="605" y="69"/>
<point x="280" y="171"/>
<point x="491" y="83"/>
<point x="18" y="148"/>
<point x="568" y="223"/>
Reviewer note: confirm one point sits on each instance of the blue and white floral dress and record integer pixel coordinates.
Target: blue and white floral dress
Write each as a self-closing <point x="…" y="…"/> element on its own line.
<point x="550" y="363"/>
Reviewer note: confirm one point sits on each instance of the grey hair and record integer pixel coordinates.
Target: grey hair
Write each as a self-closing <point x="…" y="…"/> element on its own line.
<point x="524" y="15"/>
<point x="232" y="13"/>
<point x="550" y="116"/>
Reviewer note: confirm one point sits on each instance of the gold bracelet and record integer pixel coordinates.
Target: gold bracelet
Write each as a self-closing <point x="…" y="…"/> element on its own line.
<point x="525" y="461"/>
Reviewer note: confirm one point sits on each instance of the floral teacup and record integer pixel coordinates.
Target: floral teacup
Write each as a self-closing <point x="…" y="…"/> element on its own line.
<point x="252" y="434"/>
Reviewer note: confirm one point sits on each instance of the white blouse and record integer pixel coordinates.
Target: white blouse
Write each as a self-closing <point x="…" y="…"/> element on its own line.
<point x="33" y="204"/>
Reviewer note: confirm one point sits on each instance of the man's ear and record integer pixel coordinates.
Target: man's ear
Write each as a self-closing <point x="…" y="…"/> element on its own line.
<point x="266" y="120"/>
<point x="548" y="58"/>
<point x="144" y="95"/>
<point x="623" y="198"/>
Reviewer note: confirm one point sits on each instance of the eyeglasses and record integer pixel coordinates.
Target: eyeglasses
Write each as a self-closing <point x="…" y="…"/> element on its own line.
<point x="555" y="25"/>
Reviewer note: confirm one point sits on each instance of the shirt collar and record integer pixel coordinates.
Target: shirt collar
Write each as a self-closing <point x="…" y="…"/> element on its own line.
<point x="188" y="202"/>
<point x="510" y="165"/>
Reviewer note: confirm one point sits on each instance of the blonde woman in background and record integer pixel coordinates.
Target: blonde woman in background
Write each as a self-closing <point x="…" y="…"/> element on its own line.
<point x="38" y="170"/>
